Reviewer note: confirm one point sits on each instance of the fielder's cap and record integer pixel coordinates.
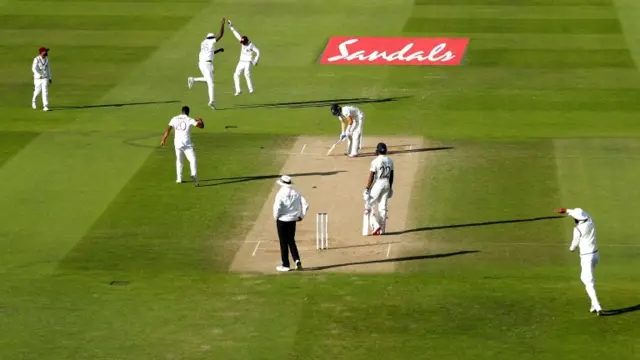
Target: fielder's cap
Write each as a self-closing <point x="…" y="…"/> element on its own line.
<point x="42" y="49"/>
<point x="285" y="180"/>
<point x="381" y="148"/>
<point x="211" y="35"/>
<point x="578" y="214"/>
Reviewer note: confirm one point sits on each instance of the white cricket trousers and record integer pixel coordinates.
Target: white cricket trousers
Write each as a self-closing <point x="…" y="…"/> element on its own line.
<point x="379" y="198"/>
<point x="206" y="68"/>
<point x="354" y="144"/>
<point x="41" y="86"/>
<point x="190" y="154"/>
<point x="243" y="66"/>
<point x="588" y="264"/>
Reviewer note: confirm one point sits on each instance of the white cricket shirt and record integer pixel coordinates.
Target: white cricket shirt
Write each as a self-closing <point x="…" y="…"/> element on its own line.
<point x="40" y="68"/>
<point x="207" y="50"/>
<point x="182" y="124"/>
<point x="584" y="237"/>
<point x="246" y="51"/>
<point x="289" y="205"/>
<point x="356" y="115"/>
<point x="382" y="166"/>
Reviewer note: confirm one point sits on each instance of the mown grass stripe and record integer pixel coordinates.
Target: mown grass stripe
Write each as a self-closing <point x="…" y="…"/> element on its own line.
<point x="101" y="8"/>
<point x="569" y="59"/>
<point x="531" y="26"/>
<point x="91" y="22"/>
<point x="601" y="100"/>
<point x="513" y="12"/>
<point x="517" y="2"/>
<point x="78" y="54"/>
<point x="114" y="38"/>
<point x="546" y="41"/>
<point x="13" y="142"/>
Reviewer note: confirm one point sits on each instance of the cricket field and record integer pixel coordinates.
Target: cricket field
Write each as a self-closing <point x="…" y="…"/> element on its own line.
<point x="103" y="256"/>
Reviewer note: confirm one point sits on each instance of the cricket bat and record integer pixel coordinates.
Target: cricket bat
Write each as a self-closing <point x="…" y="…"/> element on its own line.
<point x="365" y="224"/>
<point x="333" y="147"/>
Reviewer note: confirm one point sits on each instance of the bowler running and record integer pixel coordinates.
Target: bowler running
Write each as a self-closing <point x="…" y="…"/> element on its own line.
<point x="182" y="141"/>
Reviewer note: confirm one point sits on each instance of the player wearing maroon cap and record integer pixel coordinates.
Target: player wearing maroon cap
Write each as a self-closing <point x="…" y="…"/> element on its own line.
<point x="41" y="78"/>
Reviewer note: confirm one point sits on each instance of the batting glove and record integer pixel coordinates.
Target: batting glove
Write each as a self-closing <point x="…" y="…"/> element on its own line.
<point x="390" y="194"/>
<point x="366" y="194"/>
<point x="343" y="136"/>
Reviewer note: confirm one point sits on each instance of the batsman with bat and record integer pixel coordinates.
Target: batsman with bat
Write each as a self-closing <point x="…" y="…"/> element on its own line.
<point x="378" y="192"/>
<point x="351" y="120"/>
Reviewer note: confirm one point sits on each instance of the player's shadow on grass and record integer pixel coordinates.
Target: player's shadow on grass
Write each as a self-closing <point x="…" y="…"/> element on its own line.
<point x="393" y="260"/>
<point x="238" y="179"/>
<point x="486" y="223"/>
<point x="407" y="151"/>
<point x="621" y="311"/>
<point x="321" y="103"/>
<point x="78" y="107"/>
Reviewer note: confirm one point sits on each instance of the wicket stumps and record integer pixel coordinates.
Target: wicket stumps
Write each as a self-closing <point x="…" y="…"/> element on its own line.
<point x="322" y="231"/>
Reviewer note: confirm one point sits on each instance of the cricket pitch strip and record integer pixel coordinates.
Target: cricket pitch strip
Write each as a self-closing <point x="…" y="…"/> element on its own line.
<point x="334" y="184"/>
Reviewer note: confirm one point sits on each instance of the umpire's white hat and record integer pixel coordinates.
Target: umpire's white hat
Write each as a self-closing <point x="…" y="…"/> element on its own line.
<point x="285" y="180"/>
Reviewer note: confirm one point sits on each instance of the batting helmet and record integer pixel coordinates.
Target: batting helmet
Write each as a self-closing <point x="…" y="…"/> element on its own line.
<point x="381" y="148"/>
<point x="336" y="109"/>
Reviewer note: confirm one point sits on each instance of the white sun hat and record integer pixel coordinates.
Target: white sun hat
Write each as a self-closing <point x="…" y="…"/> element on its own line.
<point x="210" y="35"/>
<point x="285" y="180"/>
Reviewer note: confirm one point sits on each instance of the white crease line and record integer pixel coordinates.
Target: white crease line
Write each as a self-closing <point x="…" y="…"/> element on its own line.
<point x="256" y="249"/>
<point x="303" y="146"/>
<point x="389" y="250"/>
<point x="410" y="146"/>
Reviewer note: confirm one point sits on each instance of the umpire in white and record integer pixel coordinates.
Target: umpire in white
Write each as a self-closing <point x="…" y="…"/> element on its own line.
<point x="288" y="208"/>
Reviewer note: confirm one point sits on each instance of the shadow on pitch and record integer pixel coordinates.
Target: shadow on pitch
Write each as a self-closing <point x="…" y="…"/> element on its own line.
<point x="393" y="260"/>
<point x="487" y="223"/>
<point x="407" y="151"/>
<point x="621" y="311"/>
<point x="321" y="103"/>
<point x="113" y="105"/>
<point x="238" y="179"/>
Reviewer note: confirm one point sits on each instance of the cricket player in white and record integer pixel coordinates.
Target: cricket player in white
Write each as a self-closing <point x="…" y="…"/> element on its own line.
<point x="246" y="60"/>
<point x="584" y="238"/>
<point x="205" y="63"/>
<point x="378" y="191"/>
<point x="182" y="141"/>
<point x="41" y="78"/>
<point x="351" y="121"/>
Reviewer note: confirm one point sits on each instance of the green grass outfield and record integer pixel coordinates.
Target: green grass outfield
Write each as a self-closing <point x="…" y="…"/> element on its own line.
<point x="543" y="113"/>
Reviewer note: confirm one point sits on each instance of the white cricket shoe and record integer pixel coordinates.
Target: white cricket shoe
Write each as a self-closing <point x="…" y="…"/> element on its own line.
<point x="251" y="91"/>
<point x="212" y="105"/>
<point x="34" y="106"/>
<point x="299" y="265"/>
<point x="237" y="93"/>
<point x="282" y="268"/>
<point x="190" y="82"/>
<point x="45" y="108"/>
<point x="179" y="181"/>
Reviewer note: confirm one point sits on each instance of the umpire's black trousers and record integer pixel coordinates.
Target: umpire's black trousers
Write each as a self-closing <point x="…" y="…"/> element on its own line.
<point x="287" y="236"/>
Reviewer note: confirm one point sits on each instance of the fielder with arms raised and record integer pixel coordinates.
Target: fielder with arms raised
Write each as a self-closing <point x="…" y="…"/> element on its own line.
<point x="351" y="120"/>
<point x="584" y="238"/>
<point x="205" y="62"/>
<point x="246" y="60"/>
<point x="378" y="191"/>
<point x="182" y="141"/>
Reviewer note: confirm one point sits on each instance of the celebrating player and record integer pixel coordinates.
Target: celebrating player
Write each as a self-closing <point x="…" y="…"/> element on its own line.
<point x="378" y="191"/>
<point x="205" y="62"/>
<point x="182" y="141"/>
<point x="41" y="78"/>
<point x="351" y="121"/>
<point x="246" y="60"/>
